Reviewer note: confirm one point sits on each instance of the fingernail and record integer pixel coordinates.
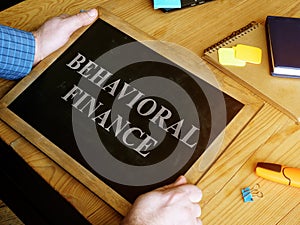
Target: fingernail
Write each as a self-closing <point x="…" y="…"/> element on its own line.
<point x="92" y="12"/>
<point x="180" y="179"/>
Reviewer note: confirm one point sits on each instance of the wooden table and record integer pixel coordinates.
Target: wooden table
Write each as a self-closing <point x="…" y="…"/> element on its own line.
<point x="269" y="136"/>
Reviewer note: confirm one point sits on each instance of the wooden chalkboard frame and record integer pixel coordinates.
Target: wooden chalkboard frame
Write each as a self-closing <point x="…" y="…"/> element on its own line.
<point x="96" y="185"/>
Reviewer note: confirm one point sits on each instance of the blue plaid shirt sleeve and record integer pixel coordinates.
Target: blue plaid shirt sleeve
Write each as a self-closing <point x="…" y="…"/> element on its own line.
<point x="17" y="50"/>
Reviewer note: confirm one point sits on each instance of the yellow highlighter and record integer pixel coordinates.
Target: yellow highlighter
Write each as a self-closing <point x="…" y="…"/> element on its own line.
<point x="278" y="173"/>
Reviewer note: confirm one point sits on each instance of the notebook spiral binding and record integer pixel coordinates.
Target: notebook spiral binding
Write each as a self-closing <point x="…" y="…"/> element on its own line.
<point x="233" y="36"/>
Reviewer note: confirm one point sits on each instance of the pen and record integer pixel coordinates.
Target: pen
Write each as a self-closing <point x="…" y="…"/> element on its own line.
<point x="279" y="173"/>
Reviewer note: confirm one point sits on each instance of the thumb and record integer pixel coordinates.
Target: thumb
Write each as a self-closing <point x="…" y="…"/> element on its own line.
<point x="87" y="17"/>
<point x="81" y="19"/>
<point x="180" y="181"/>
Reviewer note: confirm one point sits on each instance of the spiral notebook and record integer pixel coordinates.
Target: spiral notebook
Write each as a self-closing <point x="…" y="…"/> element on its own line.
<point x="282" y="93"/>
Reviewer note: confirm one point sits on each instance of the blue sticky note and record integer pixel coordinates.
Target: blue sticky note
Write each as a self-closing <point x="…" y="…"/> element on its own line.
<point x="171" y="4"/>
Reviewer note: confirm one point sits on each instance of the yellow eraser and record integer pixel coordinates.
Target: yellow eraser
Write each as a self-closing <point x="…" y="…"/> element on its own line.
<point x="248" y="53"/>
<point x="227" y="57"/>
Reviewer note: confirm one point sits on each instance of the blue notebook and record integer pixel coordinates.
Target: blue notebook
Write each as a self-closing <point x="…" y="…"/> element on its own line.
<point x="283" y="35"/>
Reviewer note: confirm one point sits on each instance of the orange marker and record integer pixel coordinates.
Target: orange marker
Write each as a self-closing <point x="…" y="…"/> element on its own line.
<point x="278" y="173"/>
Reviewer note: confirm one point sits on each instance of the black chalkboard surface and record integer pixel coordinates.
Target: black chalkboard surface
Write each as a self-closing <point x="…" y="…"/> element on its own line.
<point x="125" y="113"/>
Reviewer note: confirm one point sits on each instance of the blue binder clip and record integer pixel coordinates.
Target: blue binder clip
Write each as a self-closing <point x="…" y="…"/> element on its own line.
<point x="247" y="196"/>
<point x="248" y="193"/>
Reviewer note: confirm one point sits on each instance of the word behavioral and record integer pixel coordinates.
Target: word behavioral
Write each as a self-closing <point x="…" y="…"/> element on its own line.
<point x="123" y="129"/>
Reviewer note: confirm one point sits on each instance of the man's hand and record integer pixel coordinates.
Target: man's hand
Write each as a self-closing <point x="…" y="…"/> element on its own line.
<point x="174" y="204"/>
<point x="55" y="32"/>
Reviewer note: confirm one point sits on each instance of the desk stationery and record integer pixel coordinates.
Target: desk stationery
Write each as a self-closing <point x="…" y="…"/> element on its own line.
<point x="260" y="134"/>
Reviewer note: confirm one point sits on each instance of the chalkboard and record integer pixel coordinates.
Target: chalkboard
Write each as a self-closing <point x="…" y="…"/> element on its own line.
<point x="122" y="112"/>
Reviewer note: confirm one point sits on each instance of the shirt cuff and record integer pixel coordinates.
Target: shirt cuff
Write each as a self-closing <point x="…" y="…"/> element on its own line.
<point x="17" y="49"/>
